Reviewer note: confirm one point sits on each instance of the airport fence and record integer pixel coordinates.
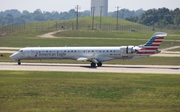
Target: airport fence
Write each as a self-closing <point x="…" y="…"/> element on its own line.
<point x="55" y="26"/>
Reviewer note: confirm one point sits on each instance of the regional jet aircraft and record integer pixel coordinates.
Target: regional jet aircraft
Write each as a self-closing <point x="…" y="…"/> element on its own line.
<point x="95" y="55"/>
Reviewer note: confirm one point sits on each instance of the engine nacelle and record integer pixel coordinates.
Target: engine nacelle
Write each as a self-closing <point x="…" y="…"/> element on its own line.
<point x="129" y="49"/>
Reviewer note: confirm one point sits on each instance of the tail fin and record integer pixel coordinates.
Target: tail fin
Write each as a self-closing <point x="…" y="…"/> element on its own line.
<point x="156" y="39"/>
<point x="152" y="45"/>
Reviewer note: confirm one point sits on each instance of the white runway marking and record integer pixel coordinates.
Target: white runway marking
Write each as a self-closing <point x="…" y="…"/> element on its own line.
<point x="152" y="69"/>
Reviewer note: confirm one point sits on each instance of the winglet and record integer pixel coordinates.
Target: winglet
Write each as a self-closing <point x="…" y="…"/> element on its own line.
<point x="92" y="57"/>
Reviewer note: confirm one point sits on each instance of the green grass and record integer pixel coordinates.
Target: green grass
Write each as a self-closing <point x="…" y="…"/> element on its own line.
<point x="104" y="34"/>
<point x="110" y="34"/>
<point x="79" y="92"/>
<point x="85" y="23"/>
<point x="29" y="39"/>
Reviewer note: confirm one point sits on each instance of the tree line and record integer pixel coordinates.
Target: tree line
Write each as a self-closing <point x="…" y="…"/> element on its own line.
<point x="153" y="17"/>
<point x="14" y="16"/>
<point x="161" y="17"/>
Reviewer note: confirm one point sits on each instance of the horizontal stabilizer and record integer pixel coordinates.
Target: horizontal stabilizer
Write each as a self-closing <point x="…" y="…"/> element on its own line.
<point x="160" y="34"/>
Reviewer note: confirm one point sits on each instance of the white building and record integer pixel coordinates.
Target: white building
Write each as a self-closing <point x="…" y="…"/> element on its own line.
<point x="99" y="5"/>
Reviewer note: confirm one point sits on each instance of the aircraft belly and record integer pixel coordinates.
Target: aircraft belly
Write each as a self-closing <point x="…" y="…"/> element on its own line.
<point x="103" y="58"/>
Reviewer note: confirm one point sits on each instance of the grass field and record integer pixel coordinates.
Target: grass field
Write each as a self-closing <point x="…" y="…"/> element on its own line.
<point x="30" y="39"/>
<point x="83" y="92"/>
<point x="114" y="35"/>
<point x="79" y="92"/>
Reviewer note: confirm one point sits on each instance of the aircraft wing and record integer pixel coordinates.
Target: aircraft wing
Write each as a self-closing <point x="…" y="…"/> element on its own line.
<point x="82" y="59"/>
<point x="91" y="59"/>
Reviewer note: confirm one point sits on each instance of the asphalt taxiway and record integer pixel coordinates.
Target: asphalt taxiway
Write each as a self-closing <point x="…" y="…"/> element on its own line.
<point x="152" y="69"/>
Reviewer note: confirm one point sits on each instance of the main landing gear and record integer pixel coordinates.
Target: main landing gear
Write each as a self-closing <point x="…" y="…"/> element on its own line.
<point x="19" y="62"/>
<point x="99" y="64"/>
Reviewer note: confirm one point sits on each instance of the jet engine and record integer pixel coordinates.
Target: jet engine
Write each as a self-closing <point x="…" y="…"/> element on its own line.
<point x="131" y="49"/>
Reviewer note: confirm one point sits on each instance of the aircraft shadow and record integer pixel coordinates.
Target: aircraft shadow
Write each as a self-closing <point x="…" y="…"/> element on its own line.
<point x="105" y="66"/>
<point x="56" y="65"/>
<point x="139" y="67"/>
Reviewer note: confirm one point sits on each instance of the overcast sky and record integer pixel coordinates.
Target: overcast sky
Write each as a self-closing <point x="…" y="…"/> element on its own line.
<point x="66" y="5"/>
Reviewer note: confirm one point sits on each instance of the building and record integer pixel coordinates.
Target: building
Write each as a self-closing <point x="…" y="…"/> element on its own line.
<point x="99" y="7"/>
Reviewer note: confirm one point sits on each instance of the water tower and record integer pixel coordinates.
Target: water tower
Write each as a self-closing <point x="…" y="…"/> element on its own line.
<point x="99" y="7"/>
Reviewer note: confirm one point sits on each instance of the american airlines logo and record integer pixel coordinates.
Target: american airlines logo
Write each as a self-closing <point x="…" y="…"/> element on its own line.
<point x="51" y="54"/>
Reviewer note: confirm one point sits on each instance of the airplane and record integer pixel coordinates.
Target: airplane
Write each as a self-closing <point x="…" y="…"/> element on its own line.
<point x="95" y="55"/>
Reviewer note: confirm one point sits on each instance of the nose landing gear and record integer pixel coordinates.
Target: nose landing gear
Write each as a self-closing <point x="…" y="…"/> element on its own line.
<point x="19" y="62"/>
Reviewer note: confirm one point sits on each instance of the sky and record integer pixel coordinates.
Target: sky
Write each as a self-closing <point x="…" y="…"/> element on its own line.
<point x="66" y="5"/>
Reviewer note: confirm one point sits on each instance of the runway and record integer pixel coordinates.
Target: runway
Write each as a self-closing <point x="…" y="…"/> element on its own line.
<point x="152" y="69"/>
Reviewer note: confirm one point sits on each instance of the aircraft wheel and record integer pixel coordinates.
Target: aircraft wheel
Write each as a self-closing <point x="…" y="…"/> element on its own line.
<point x="99" y="64"/>
<point x="93" y="65"/>
<point x="19" y="62"/>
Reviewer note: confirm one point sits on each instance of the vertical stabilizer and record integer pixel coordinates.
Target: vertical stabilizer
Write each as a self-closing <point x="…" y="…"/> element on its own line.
<point x="152" y="45"/>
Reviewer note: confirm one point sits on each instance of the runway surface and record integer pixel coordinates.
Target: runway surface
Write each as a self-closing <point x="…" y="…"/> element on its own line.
<point x="153" y="69"/>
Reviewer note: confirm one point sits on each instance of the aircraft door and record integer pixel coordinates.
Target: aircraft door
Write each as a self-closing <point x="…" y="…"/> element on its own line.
<point x="33" y="54"/>
<point x="21" y="53"/>
<point x="28" y="53"/>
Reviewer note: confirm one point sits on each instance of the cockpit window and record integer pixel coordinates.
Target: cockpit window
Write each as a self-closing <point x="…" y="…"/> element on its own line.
<point x="20" y="50"/>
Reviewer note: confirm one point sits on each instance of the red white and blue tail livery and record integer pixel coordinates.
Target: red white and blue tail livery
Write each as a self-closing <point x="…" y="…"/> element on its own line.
<point x="152" y="45"/>
<point x="95" y="55"/>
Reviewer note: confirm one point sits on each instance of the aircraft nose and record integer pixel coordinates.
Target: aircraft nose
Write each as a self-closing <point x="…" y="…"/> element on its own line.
<point x="13" y="57"/>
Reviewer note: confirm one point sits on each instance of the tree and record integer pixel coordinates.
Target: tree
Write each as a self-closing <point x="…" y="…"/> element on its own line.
<point x="9" y="19"/>
<point x="177" y="16"/>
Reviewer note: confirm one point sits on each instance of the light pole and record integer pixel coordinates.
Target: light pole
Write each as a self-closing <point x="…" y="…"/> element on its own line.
<point x="92" y="14"/>
<point x="101" y="7"/>
<point x="117" y="17"/>
<point x="77" y="16"/>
